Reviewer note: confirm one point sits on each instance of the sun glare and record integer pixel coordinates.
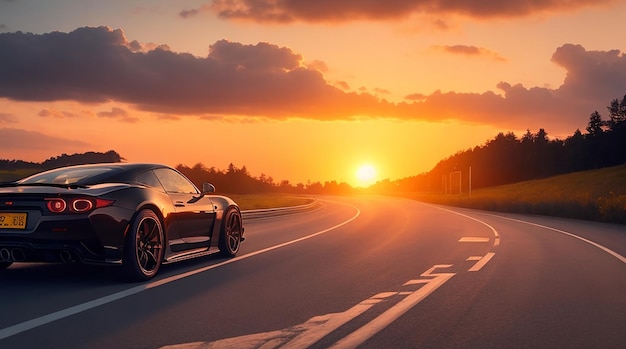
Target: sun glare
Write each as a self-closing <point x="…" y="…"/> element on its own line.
<point x="366" y="175"/>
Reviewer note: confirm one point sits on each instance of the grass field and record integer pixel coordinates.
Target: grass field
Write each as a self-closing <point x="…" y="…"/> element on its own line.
<point x="598" y="195"/>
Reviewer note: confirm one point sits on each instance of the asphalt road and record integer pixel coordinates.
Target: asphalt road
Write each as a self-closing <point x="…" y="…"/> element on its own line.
<point x="365" y="272"/>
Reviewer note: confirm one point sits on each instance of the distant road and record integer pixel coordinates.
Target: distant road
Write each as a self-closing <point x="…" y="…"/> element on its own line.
<point x="367" y="272"/>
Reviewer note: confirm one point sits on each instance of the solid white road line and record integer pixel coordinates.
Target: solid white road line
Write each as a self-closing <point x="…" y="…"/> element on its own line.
<point x="605" y="249"/>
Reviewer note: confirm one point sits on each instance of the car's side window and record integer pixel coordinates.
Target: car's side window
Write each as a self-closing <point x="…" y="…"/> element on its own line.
<point x="150" y="179"/>
<point x="173" y="182"/>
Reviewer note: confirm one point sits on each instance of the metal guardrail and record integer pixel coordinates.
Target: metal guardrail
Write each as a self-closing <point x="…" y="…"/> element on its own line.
<point x="278" y="211"/>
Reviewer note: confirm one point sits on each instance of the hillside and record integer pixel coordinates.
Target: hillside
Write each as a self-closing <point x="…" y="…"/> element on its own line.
<point x="593" y="195"/>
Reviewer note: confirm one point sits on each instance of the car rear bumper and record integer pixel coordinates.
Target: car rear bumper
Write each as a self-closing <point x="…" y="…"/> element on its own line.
<point x="24" y="250"/>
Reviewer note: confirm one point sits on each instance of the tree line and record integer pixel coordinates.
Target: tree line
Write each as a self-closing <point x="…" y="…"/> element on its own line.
<point x="508" y="159"/>
<point x="60" y="161"/>
<point x="236" y="180"/>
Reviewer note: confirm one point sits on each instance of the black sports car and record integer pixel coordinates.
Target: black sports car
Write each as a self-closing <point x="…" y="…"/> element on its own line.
<point x="137" y="216"/>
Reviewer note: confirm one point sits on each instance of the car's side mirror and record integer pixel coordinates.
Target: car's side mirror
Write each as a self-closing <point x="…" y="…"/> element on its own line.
<point x="208" y="188"/>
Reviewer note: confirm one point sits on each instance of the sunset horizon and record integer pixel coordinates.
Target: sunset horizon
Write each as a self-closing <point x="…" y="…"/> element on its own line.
<point x="326" y="92"/>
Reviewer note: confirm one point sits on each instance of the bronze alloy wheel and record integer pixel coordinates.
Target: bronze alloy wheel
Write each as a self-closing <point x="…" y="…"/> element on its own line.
<point x="232" y="230"/>
<point x="144" y="249"/>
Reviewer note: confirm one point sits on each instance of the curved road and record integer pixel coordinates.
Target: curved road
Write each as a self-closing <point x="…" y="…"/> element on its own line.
<point x="367" y="272"/>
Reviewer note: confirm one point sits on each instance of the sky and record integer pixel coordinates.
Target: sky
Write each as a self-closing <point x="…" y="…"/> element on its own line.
<point x="299" y="90"/>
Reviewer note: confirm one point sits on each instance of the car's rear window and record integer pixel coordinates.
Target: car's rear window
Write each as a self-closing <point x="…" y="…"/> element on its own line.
<point x="68" y="176"/>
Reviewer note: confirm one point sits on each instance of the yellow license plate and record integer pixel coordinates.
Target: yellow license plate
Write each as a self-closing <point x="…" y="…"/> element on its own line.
<point x="12" y="220"/>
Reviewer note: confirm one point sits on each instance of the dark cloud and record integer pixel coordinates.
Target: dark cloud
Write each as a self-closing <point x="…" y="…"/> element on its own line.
<point x="283" y="11"/>
<point x="189" y="13"/>
<point x="100" y="65"/>
<point x="593" y="79"/>
<point x="591" y="75"/>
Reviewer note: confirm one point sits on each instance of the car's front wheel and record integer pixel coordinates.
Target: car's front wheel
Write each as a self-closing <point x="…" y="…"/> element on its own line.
<point x="143" y="252"/>
<point x="231" y="234"/>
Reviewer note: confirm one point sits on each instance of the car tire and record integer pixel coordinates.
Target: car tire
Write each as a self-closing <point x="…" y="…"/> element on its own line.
<point x="231" y="233"/>
<point x="143" y="251"/>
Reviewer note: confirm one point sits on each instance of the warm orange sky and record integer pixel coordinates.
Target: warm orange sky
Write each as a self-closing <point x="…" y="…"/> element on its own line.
<point x="300" y="90"/>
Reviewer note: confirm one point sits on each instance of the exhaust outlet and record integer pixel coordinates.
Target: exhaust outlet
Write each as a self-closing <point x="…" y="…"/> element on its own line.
<point x="66" y="256"/>
<point x="18" y="255"/>
<point x="5" y="255"/>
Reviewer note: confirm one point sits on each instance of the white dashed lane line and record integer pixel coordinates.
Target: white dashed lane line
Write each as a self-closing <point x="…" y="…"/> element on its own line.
<point x="473" y="239"/>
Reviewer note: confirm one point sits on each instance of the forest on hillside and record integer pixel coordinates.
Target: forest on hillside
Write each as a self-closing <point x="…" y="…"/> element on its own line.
<point x="504" y="159"/>
<point x="509" y="159"/>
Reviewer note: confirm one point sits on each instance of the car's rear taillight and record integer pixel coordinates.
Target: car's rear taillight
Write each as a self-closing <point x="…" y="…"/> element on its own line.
<point x="81" y="205"/>
<point x="75" y="205"/>
<point x="56" y="205"/>
<point x="103" y="203"/>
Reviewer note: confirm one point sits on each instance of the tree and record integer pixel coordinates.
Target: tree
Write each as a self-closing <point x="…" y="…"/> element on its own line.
<point x="541" y="137"/>
<point x="617" y="114"/>
<point x="595" y="127"/>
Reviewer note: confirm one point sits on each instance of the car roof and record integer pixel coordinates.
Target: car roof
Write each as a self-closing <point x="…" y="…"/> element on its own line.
<point x="110" y="172"/>
<point x="121" y="165"/>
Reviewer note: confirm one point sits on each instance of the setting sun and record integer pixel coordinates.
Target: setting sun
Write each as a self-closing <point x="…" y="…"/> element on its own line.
<point x="366" y="175"/>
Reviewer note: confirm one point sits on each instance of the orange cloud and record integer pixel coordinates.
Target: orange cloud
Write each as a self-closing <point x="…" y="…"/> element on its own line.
<point x="267" y="81"/>
<point x="341" y="11"/>
<point x="117" y="113"/>
<point x="194" y="11"/>
<point x="6" y="118"/>
<point x="11" y="138"/>
<point x="47" y="113"/>
<point x="468" y="50"/>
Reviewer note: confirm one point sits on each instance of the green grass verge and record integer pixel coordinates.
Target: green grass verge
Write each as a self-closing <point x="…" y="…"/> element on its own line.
<point x="598" y="195"/>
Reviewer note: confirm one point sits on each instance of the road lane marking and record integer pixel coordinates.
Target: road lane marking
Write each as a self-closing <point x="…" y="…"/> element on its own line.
<point x="316" y="333"/>
<point x="61" y="314"/>
<point x="367" y="331"/>
<point x="316" y="328"/>
<point x="605" y="249"/>
<point x="482" y="261"/>
<point x="496" y="235"/>
<point x="473" y="239"/>
<point x="430" y="272"/>
<point x="416" y="282"/>
<point x="296" y="337"/>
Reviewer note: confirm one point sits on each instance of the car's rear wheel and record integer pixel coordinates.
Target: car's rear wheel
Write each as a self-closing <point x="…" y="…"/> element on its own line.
<point x="231" y="234"/>
<point x="143" y="252"/>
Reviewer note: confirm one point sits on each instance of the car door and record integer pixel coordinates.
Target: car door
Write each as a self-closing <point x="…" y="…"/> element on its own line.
<point x="194" y="214"/>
